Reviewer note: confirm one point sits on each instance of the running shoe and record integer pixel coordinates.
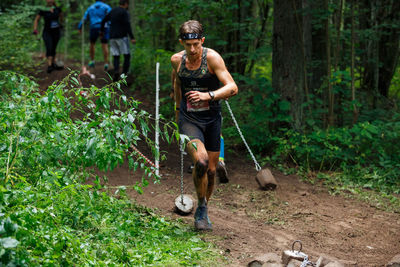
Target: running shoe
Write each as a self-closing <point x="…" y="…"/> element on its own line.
<point x="91" y="64"/>
<point x="50" y="68"/>
<point x="56" y="67"/>
<point x="106" y="67"/>
<point x="201" y="220"/>
<point x="222" y="173"/>
<point x="116" y="77"/>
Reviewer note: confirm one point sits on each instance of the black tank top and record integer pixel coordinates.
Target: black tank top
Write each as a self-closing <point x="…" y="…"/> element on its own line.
<point x="198" y="80"/>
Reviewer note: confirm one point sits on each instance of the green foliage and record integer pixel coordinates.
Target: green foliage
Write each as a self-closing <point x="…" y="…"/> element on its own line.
<point x="17" y="42"/>
<point x="50" y="224"/>
<point x="39" y="136"/>
<point x="258" y="110"/>
<point x="367" y="151"/>
<point x="50" y="141"/>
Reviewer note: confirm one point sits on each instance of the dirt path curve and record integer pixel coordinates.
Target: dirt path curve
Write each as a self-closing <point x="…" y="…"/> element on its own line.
<point x="248" y="222"/>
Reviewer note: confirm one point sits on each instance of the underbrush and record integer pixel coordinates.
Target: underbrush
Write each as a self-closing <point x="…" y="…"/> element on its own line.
<point x="357" y="159"/>
<point x="17" y="42"/>
<point x="49" y="142"/>
<point x="361" y="159"/>
<point x="366" y="148"/>
<point x="49" y="224"/>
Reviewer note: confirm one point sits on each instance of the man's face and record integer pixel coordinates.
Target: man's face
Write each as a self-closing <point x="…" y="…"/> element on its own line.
<point x="193" y="47"/>
<point x="50" y="2"/>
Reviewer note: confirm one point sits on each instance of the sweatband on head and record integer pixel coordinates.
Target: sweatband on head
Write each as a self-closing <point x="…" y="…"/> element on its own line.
<point x="190" y="36"/>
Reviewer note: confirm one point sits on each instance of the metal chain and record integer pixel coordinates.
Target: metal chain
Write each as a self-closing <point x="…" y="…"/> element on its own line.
<point x="306" y="262"/>
<point x="258" y="167"/>
<point x="182" y="153"/>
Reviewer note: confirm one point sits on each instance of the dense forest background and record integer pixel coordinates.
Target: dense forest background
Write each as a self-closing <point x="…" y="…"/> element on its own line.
<point x="319" y="88"/>
<point x="319" y="79"/>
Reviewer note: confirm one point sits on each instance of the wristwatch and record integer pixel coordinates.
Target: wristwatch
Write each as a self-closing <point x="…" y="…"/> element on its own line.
<point x="212" y="95"/>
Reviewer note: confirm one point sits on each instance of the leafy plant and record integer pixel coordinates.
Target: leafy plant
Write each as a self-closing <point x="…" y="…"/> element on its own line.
<point x="49" y="142"/>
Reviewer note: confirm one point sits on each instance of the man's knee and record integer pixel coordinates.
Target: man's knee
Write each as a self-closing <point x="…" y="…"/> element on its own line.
<point x="201" y="167"/>
<point x="211" y="177"/>
<point x="211" y="173"/>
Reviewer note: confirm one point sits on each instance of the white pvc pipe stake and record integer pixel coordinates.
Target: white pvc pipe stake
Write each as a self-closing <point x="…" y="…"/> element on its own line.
<point x="157" y="163"/>
<point x="83" y="40"/>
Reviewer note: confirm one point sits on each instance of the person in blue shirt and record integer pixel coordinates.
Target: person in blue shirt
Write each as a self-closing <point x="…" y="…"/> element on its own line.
<point x="95" y="14"/>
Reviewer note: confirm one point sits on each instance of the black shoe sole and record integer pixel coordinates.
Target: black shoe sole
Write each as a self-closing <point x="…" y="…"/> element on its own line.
<point x="222" y="176"/>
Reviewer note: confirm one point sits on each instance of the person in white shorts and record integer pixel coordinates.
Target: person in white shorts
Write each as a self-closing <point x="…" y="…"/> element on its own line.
<point x="120" y="32"/>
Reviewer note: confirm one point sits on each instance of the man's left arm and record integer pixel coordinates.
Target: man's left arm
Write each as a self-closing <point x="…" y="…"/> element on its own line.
<point x="229" y="87"/>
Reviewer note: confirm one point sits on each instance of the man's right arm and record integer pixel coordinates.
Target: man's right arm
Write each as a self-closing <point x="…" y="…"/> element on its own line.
<point x="103" y="22"/>
<point x="35" y="24"/>
<point x="85" y="16"/>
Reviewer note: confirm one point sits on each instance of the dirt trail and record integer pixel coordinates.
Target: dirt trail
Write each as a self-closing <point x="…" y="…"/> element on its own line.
<point x="248" y="222"/>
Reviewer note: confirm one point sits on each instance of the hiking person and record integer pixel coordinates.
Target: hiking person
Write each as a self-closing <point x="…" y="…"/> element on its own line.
<point x="199" y="71"/>
<point x="95" y="14"/>
<point x="51" y="32"/>
<point x="120" y="29"/>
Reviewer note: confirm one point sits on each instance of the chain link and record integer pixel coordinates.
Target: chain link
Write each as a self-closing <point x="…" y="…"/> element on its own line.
<point x="306" y="262"/>
<point x="182" y="153"/>
<point x="258" y="168"/>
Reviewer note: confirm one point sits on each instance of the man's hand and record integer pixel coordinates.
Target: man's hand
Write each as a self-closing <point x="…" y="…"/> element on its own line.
<point x="133" y="41"/>
<point x="196" y="96"/>
<point x="80" y="31"/>
<point x="101" y="34"/>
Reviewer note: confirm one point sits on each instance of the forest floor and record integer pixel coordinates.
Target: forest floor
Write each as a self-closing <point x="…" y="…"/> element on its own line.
<point x="248" y="222"/>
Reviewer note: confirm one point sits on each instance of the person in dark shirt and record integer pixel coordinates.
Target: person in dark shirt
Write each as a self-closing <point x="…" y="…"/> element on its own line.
<point x="120" y="30"/>
<point x="51" y="32"/>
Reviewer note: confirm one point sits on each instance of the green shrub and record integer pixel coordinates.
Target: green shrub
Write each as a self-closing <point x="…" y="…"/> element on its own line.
<point x="49" y="141"/>
<point x="364" y="148"/>
<point x="17" y="42"/>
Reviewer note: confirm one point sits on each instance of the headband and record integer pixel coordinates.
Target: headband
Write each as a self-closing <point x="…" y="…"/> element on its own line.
<point x="190" y="36"/>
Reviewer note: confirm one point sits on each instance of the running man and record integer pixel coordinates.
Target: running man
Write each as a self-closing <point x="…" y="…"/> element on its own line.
<point x="199" y="71"/>
<point x="51" y="32"/>
<point x="119" y="32"/>
<point x="96" y="13"/>
<point x="222" y="173"/>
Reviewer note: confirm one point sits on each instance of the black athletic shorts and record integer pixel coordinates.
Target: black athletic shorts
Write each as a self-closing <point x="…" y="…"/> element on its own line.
<point x="95" y="33"/>
<point x="208" y="133"/>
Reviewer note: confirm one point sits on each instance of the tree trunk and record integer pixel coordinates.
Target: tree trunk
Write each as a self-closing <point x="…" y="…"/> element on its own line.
<point x="287" y="59"/>
<point x="319" y="60"/>
<point x="263" y="11"/>
<point x="389" y="49"/>
<point x="383" y="51"/>
<point x="132" y="14"/>
<point x="353" y="89"/>
<point x="331" y="95"/>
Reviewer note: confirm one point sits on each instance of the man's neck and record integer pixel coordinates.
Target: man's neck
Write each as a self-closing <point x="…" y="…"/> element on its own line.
<point x="196" y="58"/>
